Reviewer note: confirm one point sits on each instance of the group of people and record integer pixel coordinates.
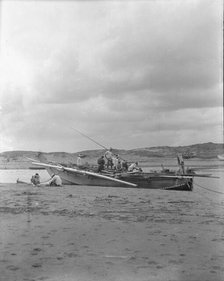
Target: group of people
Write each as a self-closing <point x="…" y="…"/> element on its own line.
<point x="55" y="180"/>
<point x="109" y="160"/>
<point x="114" y="162"/>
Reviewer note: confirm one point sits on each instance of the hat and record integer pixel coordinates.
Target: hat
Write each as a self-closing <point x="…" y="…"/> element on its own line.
<point x="81" y="155"/>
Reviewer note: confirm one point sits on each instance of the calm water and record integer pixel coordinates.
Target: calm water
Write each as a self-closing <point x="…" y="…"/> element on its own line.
<point x="10" y="176"/>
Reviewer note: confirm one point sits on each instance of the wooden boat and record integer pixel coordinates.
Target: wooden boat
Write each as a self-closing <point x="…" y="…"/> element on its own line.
<point x="136" y="180"/>
<point x="83" y="177"/>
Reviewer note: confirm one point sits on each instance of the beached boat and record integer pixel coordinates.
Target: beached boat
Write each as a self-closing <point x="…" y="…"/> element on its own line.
<point x="123" y="179"/>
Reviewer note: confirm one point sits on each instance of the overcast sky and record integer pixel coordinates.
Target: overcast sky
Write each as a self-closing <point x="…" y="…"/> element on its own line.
<point x="128" y="74"/>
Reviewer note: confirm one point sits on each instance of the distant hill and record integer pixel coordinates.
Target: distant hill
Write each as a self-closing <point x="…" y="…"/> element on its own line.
<point x="17" y="159"/>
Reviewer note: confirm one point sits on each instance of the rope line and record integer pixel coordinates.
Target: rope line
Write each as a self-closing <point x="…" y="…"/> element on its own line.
<point x="209" y="189"/>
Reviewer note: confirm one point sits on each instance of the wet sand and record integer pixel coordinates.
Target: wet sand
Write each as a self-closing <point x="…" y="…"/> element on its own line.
<point x="95" y="233"/>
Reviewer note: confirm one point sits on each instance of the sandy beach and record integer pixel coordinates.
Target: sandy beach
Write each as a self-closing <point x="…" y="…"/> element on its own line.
<point x="96" y="233"/>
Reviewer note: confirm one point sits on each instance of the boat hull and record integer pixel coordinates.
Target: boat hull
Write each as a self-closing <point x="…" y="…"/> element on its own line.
<point x="156" y="181"/>
<point x="143" y="180"/>
<point x="83" y="179"/>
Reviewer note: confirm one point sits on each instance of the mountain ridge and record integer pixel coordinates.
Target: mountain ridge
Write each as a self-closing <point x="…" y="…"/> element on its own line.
<point x="17" y="158"/>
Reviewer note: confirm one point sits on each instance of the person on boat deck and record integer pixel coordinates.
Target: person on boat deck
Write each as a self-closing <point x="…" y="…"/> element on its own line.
<point x="119" y="166"/>
<point x="180" y="161"/>
<point x="79" y="161"/>
<point x="115" y="161"/>
<point x="124" y="165"/>
<point x="55" y="181"/>
<point x="35" y="179"/>
<point x="108" y="156"/>
<point x="101" y="163"/>
<point x="134" y="167"/>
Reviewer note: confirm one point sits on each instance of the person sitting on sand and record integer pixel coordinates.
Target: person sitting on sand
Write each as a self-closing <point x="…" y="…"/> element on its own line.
<point x="35" y="180"/>
<point x="55" y="180"/>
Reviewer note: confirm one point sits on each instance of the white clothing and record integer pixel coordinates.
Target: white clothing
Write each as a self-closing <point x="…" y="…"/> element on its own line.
<point x="56" y="180"/>
<point x="132" y="167"/>
<point x="115" y="161"/>
<point x="79" y="161"/>
<point x="108" y="155"/>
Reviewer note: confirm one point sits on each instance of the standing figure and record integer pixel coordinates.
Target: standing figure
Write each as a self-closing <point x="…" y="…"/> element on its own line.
<point x="124" y="165"/>
<point x="180" y="161"/>
<point x="108" y="156"/>
<point x="101" y="163"/>
<point x="79" y="161"/>
<point x="119" y="166"/>
<point x="115" y="161"/>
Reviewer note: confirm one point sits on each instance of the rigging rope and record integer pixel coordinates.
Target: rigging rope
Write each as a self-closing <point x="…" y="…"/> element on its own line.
<point x="209" y="189"/>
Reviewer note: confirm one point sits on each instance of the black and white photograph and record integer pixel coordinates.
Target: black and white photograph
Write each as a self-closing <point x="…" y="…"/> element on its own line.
<point x="111" y="140"/>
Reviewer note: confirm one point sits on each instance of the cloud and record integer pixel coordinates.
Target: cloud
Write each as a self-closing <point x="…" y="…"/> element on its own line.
<point x="113" y="51"/>
<point x="177" y="52"/>
<point x="128" y="73"/>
